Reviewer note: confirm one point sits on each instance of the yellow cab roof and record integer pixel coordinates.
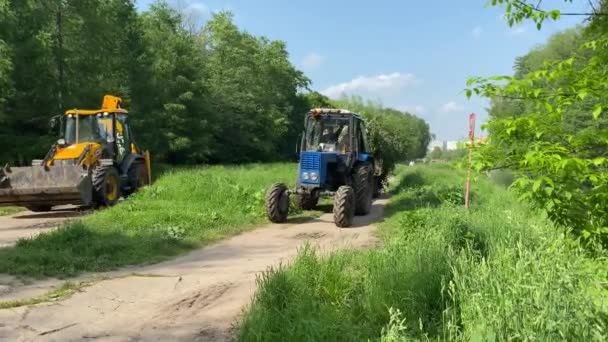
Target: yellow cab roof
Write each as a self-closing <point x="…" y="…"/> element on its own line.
<point x="110" y="104"/>
<point x="95" y="111"/>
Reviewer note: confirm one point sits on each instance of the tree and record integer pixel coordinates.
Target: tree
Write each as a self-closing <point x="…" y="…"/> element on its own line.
<point x="174" y="112"/>
<point x="253" y="83"/>
<point x="61" y="54"/>
<point x="558" y="144"/>
<point x="6" y="60"/>
<point x="436" y="153"/>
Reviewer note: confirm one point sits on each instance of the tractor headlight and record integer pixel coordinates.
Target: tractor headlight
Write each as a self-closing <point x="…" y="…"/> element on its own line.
<point x="314" y="176"/>
<point x="305" y="176"/>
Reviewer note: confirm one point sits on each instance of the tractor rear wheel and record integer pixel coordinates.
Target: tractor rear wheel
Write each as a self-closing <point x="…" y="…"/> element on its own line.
<point x="138" y="178"/>
<point x="364" y="189"/>
<point x="377" y="186"/>
<point x="277" y="203"/>
<point x="39" y="208"/>
<point x="307" y="201"/>
<point x="344" y="206"/>
<point x="106" y="186"/>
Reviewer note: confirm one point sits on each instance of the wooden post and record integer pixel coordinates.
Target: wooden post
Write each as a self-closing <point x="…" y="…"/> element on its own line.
<point x="472" y="138"/>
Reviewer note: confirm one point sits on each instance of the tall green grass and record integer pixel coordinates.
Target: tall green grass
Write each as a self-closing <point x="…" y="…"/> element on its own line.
<point x="184" y="209"/>
<point x="498" y="271"/>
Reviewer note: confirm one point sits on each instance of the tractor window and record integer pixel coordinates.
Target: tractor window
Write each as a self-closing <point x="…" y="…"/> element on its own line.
<point x="123" y="139"/>
<point x="105" y="126"/>
<point x="327" y="134"/>
<point x="362" y="137"/>
<point x="365" y="141"/>
<point x="81" y="128"/>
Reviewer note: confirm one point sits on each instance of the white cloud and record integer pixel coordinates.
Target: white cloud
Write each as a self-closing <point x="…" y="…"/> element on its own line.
<point x="312" y="61"/>
<point x="451" y="107"/>
<point x="191" y="7"/>
<point x="197" y="8"/>
<point x="477" y="31"/>
<point x="194" y="13"/>
<point x="418" y="109"/>
<point x="518" y="30"/>
<point x="371" y="84"/>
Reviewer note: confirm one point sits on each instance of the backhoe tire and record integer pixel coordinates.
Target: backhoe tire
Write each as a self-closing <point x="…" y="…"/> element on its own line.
<point x="106" y="186"/>
<point x="40" y="208"/>
<point x="138" y="178"/>
<point x="344" y="206"/>
<point x="277" y="203"/>
<point x="363" y="180"/>
<point x="307" y="201"/>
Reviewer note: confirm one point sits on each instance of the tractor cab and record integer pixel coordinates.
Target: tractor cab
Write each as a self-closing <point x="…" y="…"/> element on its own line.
<point x="328" y="133"/>
<point x="107" y="129"/>
<point x="334" y="140"/>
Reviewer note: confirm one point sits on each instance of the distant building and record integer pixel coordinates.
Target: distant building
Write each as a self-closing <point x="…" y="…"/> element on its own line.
<point x="451" y="145"/>
<point x="445" y="145"/>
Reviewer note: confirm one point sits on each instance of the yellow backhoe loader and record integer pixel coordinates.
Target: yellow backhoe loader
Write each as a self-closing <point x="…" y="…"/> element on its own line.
<point x="94" y="163"/>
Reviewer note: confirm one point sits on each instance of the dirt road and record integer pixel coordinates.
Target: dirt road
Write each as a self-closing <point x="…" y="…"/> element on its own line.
<point x="196" y="297"/>
<point x="27" y="223"/>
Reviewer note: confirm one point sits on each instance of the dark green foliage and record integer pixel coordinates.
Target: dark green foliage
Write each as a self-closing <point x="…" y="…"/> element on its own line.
<point x="214" y="95"/>
<point x="394" y="136"/>
<point x="548" y="123"/>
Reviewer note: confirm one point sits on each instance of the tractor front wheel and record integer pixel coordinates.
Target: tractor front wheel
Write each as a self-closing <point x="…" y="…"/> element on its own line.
<point x="344" y="206"/>
<point x="106" y="186"/>
<point x="277" y="203"/>
<point x="138" y="177"/>
<point x="364" y="189"/>
<point x="307" y="201"/>
<point x="378" y="186"/>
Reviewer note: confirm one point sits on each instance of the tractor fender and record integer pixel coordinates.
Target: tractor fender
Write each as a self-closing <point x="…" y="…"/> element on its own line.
<point x="130" y="160"/>
<point x="364" y="157"/>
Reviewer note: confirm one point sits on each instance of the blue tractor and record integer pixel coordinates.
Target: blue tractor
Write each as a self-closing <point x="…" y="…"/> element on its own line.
<point x="335" y="160"/>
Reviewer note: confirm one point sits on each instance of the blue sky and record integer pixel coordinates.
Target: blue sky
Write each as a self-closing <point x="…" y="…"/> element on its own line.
<point x="413" y="55"/>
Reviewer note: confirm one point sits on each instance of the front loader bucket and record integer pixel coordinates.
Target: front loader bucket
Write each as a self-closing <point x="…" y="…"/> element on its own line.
<point x="37" y="186"/>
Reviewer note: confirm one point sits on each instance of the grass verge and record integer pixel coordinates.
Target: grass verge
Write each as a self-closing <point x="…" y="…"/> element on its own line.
<point x="183" y="210"/>
<point x="5" y="211"/>
<point x="498" y="271"/>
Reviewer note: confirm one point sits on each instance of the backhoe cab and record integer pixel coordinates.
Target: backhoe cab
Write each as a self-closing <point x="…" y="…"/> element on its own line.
<point x="93" y="163"/>
<point x="335" y="160"/>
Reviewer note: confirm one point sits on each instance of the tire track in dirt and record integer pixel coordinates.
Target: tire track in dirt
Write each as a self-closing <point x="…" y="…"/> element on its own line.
<point x="196" y="297"/>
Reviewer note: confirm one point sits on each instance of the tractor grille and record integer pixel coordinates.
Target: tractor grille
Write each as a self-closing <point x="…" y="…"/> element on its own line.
<point x="310" y="161"/>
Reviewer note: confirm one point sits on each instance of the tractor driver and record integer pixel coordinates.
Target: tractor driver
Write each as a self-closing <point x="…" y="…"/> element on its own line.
<point x="328" y="137"/>
<point x="343" y="140"/>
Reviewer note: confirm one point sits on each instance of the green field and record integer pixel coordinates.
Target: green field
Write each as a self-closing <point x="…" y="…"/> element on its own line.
<point x="499" y="271"/>
<point x="183" y="210"/>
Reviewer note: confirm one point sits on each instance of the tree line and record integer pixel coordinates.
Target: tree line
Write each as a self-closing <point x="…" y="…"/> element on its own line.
<point x="548" y="120"/>
<point x="211" y="95"/>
